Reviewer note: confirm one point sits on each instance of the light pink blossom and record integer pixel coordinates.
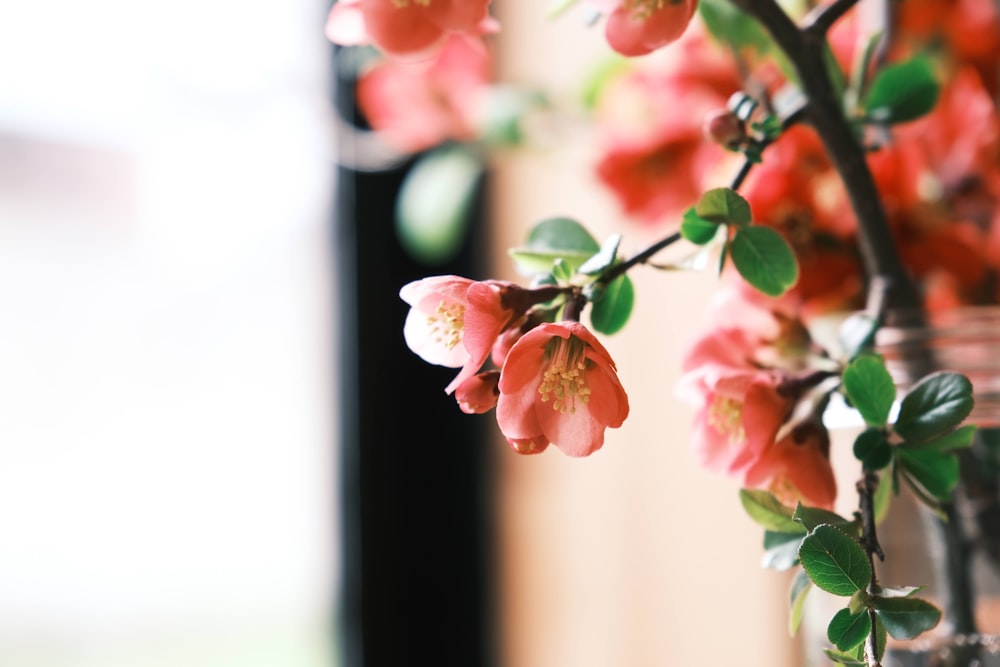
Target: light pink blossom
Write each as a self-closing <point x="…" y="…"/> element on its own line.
<point x="417" y="105"/>
<point x="454" y="321"/>
<point x="559" y="385"/>
<point x="739" y="407"/>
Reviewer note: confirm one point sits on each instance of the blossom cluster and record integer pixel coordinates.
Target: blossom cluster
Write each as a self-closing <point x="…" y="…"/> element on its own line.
<point x="667" y="130"/>
<point x="554" y="383"/>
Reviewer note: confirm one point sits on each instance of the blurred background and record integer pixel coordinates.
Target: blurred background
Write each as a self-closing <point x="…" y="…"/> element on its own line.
<point x="214" y="447"/>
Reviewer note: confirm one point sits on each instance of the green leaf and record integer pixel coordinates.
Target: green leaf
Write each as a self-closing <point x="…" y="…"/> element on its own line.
<point x="764" y="259"/>
<point x="801" y="585"/>
<point x="857" y="333"/>
<point x="903" y="91"/>
<point x="872" y="448"/>
<point x="906" y="618"/>
<point x="432" y="210"/>
<point x="560" y="234"/>
<point x="898" y="591"/>
<point x="767" y="511"/>
<point x="552" y="239"/>
<point x="834" y="561"/>
<point x="781" y="550"/>
<point x="696" y="229"/>
<point x="936" y="472"/>
<point x="846" y="630"/>
<point x="611" y="312"/>
<point x="724" y="206"/>
<point x="604" y="258"/>
<point x="960" y="438"/>
<point x="842" y="658"/>
<point x="858" y="602"/>
<point x="938" y="403"/>
<point x="870" y="388"/>
<point x="859" y="70"/>
<point x="810" y="517"/>
<point x="732" y="26"/>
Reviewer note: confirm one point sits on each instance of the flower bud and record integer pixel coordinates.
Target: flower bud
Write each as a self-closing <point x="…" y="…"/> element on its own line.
<point x="724" y="128"/>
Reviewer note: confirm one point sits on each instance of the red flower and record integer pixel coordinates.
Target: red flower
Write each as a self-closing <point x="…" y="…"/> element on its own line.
<point x="742" y="408"/>
<point x="638" y="27"/>
<point x="655" y="158"/>
<point x="405" y="28"/>
<point x="416" y="105"/>
<point x="559" y="385"/>
<point x="797" y="467"/>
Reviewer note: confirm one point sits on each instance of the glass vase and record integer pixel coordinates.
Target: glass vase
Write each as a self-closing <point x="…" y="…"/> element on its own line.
<point x="957" y="560"/>
<point x="954" y="553"/>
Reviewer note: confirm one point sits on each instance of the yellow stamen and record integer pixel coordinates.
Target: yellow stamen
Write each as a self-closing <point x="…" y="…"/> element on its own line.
<point x="399" y="4"/>
<point x="564" y="381"/>
<point x="447" y="323"/>
<point x="641" y="10"/>
<point x="726" y="416"/>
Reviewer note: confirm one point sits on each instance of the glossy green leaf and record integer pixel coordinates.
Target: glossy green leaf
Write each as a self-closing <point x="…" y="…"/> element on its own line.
<point x="724" y="206"/>
<point x="842" y="658"/>
<point x="552" y="239"/>
<point x="902" y="91"/>
<point x="604" y="258"/>
<point x="764" y="259"/>
<point x="938" y="403"/>
<point x="884" y="495"/>
<point x="558" y="234"/>
<point x="960" y="438"/>
<point x="781" y="550"/>
<point x="733" y="27"/>
<point x="609" y="314"/>
<point x="898" y="591"/>
<point x="847" y="630"/>
<point x="835" y="561"/>
<point x="872" y="448"/>
<point x="856" y="333"/>
<point x="810" y="517"/>
<point x="906" y="618"/>
<point x="432" y="210"/>
<point x="696" y="229"/>
<point x="858" y="602"/>
<point x="801" y="585"/>
<point x="936" y="472"/>
<point x="870" y="388"/>
<point x="767" y="511"/>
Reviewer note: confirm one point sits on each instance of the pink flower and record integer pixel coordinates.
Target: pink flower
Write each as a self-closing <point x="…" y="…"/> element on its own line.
<point x="559" y="385"/>
<point x="739" y="407"/>
<point x="479" y="393"/>
<point x="797" y="467"/>
<point x="454" y="321"/>
<point x="638" y="27"/>
<point x="406" y="28"/>
<point x="416" y="105"/>
<point x="741" y="411"/>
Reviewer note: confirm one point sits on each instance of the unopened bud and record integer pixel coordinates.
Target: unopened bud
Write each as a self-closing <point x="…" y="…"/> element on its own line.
<point x="724" y="128"/>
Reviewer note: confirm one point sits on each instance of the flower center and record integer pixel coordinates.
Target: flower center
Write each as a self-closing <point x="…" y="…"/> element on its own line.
<point x="447" y="323"/>
<point x="726" y="416"/>
<point x="399" y="4"/>
<point x="640" y="10"/>
<point x="564" y="380"/>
